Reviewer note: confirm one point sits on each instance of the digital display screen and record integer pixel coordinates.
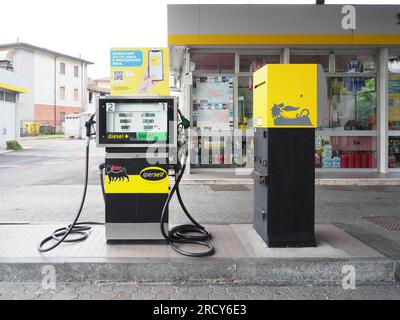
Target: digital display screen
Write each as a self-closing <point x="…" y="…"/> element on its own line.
<point x="144" y="121"/>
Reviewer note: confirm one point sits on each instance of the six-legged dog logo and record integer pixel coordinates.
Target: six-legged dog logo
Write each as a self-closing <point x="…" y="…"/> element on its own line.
<point x="290" y="116"/>
<point x="116" y="173"/>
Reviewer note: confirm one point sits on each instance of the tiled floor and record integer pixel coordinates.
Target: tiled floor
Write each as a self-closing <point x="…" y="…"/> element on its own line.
<point x="19" y="243"/>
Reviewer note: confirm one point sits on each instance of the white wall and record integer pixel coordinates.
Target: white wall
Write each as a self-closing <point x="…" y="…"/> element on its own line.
<point x="24" y="65"/>
<point x="70" y="83"/>
<point x="44" y="80"/>
<point x="7" y="123"/>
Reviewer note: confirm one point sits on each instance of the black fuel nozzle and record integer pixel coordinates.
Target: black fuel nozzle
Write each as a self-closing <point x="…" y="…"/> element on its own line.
<point x="184" y="121"/>
<point x="88" y="124"/>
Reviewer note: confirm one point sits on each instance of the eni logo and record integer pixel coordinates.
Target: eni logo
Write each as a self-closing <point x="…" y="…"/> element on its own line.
<point x="290" y="116"/>
<point x="153" y="174"/>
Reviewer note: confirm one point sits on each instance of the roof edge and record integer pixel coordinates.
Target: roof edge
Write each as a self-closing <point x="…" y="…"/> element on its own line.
<point x="33" y="47"/>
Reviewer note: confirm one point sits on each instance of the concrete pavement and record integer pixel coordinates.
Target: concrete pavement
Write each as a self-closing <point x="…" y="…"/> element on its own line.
<point x="137" y="291"/>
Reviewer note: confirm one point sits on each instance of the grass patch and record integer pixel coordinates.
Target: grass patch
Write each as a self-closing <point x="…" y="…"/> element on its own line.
<point x="44" y="137"/>
<point x="14" y="145"/>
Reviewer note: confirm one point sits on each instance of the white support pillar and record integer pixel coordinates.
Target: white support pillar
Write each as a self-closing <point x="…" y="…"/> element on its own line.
<point x="187" y="104"/>
<point x="382" y="110"/>
<point x="286" y="55"/>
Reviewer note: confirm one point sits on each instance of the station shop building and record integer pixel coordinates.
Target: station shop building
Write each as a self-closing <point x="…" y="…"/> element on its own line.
<point x="214" y="50"/>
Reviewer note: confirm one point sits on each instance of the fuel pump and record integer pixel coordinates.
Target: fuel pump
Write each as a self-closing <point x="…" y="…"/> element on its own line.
<point x="145" y="141"/>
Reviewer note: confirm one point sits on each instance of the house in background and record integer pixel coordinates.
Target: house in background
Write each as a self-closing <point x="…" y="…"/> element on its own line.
<point x="97" y="88"/>
<point x="56" y="83"/>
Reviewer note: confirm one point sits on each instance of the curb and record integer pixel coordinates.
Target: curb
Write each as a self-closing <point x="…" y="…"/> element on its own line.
<point x="5" y="151"/>
<point x="191" y="270"/>
<point x="318" y="182"/>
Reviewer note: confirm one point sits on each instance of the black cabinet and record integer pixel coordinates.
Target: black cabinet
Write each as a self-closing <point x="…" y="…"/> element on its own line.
<point x="284" y="186"/>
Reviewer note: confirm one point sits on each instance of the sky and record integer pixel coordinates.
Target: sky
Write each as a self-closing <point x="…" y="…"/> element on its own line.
<point x="89" y="28"/>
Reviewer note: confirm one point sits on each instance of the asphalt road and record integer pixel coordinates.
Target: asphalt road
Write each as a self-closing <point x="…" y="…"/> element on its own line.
<point x="49" y="162"/>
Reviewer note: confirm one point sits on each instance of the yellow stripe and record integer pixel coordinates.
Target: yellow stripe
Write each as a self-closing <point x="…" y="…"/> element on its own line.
<point x="136" y="184"/>
<point x="282" y="39"/>
<point x="12" y="88"/>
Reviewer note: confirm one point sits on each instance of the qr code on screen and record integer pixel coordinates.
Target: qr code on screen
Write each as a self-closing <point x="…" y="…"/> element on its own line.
<point x="118" y="75"/>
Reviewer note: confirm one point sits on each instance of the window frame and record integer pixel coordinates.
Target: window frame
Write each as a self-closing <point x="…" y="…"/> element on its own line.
<point x="12" y="94"/>
<point x="76" y="71"/>
<point x="76" y="94"/>
<point x="62" y="95"/>
<point x="63" y="67"/>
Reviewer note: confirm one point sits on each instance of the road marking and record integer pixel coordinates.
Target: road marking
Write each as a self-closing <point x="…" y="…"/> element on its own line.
<point x="39" y="163"/>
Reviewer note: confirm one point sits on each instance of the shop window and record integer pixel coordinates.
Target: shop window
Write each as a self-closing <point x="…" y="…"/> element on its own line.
<point x="62" y="116"/>
<point x="1" y="95"/>
<point x="214" y="62"/>
<point x="345" y="152"/>
<point x="394" y="152"/>
<point x="213" y="116"/>
<point x="394" y="102"/>
<point x="355" y="63"/>
<point x="213" y="102"/>
<point x="351" y="103"/>
<point x="245" y="102"/>
<point x="9" y="96"/>
<point x="323" y="60"/>
<point x="394" y="64"/>
<point x="251" y="63"/>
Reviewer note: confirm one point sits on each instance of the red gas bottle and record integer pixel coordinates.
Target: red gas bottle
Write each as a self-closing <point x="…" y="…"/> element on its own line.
<point x="351" y="160"/>
<point x="358" y="161"/>
<point x="344" y="160"/>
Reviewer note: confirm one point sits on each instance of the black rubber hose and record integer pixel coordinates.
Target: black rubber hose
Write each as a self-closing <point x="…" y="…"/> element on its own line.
<point x="79" y="229"/>
<point x="182" y="234"/>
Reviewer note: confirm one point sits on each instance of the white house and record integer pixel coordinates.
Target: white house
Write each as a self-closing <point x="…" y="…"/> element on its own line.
<point x="56" y="84"/>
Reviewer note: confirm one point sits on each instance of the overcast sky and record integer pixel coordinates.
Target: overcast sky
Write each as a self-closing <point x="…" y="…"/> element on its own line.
<point x="91" y="27"/>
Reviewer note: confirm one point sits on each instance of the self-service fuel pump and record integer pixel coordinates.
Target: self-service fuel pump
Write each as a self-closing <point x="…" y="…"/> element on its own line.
<point x="289" y="100"/>
<point x="145" y="144"/>
<point x="140" y="140"/>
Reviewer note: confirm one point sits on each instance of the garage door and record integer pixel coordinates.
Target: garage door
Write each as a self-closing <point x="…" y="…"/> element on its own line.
<point x="7" y="122"/>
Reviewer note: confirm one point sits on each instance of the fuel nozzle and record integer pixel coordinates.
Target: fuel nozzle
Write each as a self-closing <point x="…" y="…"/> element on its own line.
<point x="184" y="121"/>
<point x="88" y="124"/>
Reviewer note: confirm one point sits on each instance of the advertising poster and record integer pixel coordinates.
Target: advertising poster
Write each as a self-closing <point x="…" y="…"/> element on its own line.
<point x="213" y="102"/>
<point x="394" y="101"/>
<point x="139" y="71"/>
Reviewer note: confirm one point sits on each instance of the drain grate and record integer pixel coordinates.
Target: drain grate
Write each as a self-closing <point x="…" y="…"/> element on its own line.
<point x="228" y="187"/>
<point x="388" y="222"/>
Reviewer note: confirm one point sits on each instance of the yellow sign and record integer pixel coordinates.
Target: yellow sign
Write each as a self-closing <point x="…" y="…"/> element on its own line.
<point x="149" y="180"/>
<point x="139" y="71"/>
<point x="286" y="96"/>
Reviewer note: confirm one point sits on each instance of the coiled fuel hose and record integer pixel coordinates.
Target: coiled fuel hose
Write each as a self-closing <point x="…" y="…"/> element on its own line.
<point x="193" y="233"/>
<point x="80" y="230"/>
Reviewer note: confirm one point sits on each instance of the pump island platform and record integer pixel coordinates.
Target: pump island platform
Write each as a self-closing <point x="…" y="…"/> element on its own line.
<point x="241" y="256"/>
